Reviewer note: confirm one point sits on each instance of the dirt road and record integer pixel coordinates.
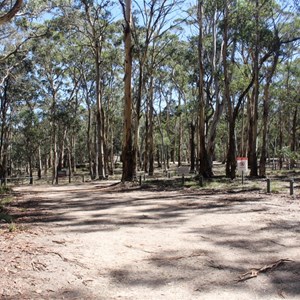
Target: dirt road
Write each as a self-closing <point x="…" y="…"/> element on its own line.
<point x="99" y="241"/>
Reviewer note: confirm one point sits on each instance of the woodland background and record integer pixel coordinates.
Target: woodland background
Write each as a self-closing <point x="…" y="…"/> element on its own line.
<point x="211" y="80"/>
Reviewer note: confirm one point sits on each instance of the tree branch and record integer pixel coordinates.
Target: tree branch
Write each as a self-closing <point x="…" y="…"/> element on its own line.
<point x="9" y="15"/>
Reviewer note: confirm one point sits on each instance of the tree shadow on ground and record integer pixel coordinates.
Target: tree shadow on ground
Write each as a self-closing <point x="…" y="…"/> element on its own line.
<point x="107" y="210"/>
<point x="206" y="272"/>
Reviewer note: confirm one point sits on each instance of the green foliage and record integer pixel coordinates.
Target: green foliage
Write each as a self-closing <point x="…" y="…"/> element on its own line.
<point x="48" y="73"/>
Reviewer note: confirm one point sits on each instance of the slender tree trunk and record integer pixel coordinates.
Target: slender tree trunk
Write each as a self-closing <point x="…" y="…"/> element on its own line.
<point x="263" y="157"/>
<point x="230" y="158"/>
<point x="54" y="157"/>
<point x="69" y="152"/>
<point x="54" y="138"/>
<point x="205" y="168"/>
<point x="192" y="147"/>
<point x="179" y="148"/>
<point x="73" y="152"/>
<point x="39" y="163"/>
<point x="280" y="142"/>
<point x="294" y="135"/>
<point x="100" y="138"/>
<point x="137" y="149"/>
<point x="151" y="129"/>
<point x="96" y="152"/>
<point x="30" y="170"/>
<point x="46" y="165"/>
<point x="253" y="118"/>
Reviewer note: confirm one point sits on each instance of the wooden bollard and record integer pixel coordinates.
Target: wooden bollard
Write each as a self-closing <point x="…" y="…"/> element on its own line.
<point x="268" y="186"/>
<point x="292" y="187"/>
<point x="140" y="180"/>
<point x="182" y="179"/>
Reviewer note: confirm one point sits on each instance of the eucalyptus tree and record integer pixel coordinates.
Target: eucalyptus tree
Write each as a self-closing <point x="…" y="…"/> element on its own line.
<point x="284" y="129"/>
<point x="206" y="43"/>
<point x="91" y="20"/>
<point x="58" y="77"/>
<point x="14" y="38"/>
<point x="252" y="47"/>
<point x="156" y="19"/>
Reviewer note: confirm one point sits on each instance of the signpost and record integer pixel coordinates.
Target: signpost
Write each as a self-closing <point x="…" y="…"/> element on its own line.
<point x="242" y="166"/>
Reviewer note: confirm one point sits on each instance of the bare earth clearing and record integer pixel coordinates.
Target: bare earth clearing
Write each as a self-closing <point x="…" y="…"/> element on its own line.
<point x="99" y="241"/>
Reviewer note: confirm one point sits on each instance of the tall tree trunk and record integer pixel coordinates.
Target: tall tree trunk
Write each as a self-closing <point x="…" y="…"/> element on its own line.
<point x="54" y="156"/>
<point x="219" y="105"/>
<point x="39" y="163"/>
<point x="294" y="136"/>
<point x="89" y="137"/>
<point x="192" y="147"/>
<point x="99" y="119"/>
<point x="263" y="157"/>
<point x="73" y="152"/>
<point x="151" y="128"/>
<point x="128" y="155"/>
<point x="280" y="142"/>
<point x="137" y="149"/>
<point x="253" y="117"/>
<point x="205" y="168"/>
<point x="69" y="153"/>
<point x="179" y="148"/>
<point x="30" y="170"/>
<point x="54" y="137"/>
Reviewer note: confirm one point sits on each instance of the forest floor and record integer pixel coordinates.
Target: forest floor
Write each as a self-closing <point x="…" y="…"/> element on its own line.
<point x="103" y="240"/>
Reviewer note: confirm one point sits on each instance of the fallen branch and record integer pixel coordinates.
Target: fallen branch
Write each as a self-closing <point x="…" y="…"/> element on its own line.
<point x="266" y="268"/>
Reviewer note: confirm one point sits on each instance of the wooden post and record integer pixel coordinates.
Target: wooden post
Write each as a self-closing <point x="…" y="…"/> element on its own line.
<point x="182" y="179"/>
<point x="83" y="178"/>
<point x="140" y="180"/>
<point x="292" y="187"/>
<point x="268" y="186"/>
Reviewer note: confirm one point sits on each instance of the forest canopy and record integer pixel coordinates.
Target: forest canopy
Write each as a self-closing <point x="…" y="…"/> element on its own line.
<point x="206" y="80"/>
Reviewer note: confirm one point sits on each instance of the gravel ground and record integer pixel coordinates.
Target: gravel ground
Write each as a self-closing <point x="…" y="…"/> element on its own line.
<point x="106" y="241"/>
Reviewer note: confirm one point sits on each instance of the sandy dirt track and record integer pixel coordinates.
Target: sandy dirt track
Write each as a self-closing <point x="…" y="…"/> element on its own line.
<point x="101" y="241"/>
